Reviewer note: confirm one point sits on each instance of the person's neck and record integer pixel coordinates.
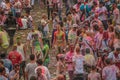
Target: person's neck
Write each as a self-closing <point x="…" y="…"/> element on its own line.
<point x="33" y="61"/>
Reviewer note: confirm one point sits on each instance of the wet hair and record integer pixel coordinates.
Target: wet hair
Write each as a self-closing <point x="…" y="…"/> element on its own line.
<point x="96" y="27"/>
<point x="93" y="67"/>
<point x="33" y="78"/>
<point x="87" y="50"/>
<point x="1" y="62"/>
<point x="108" y="61"/>
<point x="32" y="57"/>
<point x="39" y="61"/>
<point x="1" y="69"/>
<point x="3" y="54"/>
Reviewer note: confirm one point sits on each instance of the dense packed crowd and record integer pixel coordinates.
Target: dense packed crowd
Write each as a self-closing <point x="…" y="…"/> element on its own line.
<point x="83" y="35"/>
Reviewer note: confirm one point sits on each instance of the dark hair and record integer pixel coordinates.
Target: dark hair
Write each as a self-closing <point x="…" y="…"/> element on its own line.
<point x="87" y="50"/>
<point x="93" y="67"/>
<point x="32" y="57"/>
<point x="1" y="62"/>
<point x="1" y="69"/>
<point x="2" y="55"/>
<point x="39" y="61"/>
<point x="108" y="61"/>
<point x="33" y="78"/>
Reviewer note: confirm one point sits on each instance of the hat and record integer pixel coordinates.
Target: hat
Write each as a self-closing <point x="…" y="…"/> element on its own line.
<point x="75" y="25"/>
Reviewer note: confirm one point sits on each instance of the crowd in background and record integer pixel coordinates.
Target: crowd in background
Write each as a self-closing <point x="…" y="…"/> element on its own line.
<point x="83" y="35"/>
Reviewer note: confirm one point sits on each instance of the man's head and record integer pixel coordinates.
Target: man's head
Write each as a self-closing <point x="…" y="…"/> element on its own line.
<point x="77" y="49"/>
<point x="87" y="51"/>
<point x="71" y="47"/>
<point x="60" y="77"/>
<point x="101" y="4"/>
<point x="2" y="54"/>
<point x="32" y="57"/>
<point x="14" y="47"/>
<point x="39" y="62"/>
<point x="117" y="50"/>
<point x="108" y="61"/>
<point x="16" y="67"/>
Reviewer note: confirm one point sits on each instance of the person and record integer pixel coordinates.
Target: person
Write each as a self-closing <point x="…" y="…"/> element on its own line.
<point x="2" y="18"/>
<point x="30" y="38"/>
<point x="116" y="15"/>
<point x="44" y="25"/>
<point x="24" y="23"/>
<point x="6" y="61"/>
<point x="59" y="38"/>
<point x="49" y="8"/>
<point x="14" y="74"/>
<point x="46" y="48"/>
<point x="10" y="26"/>
<point x="4" y="42"/>
<point x="14" y="56"/>
<point x="44" y="69"/>
<point x="68" y="60"/>
<point x="102" y="11"/>
<point x="93" y="75"/>
<point x="40" y="75"/>
<point x="89" y="58"/>
<point x="36" y="46"/>
<point x="110" y="72"/>
<point x="78" y="61"/>
<point x="72" y="35"/>
<point x="115" y="57"/>
<point x="30" y="67"/>
<point x="5" y="69"/>
<point x="29" y="20"/>
<point x="2" y="77"/>
<point x="60" y="66"/>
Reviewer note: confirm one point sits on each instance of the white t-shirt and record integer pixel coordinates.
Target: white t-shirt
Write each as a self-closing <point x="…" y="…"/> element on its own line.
<point x="24" y="22"/>
<point x="109" y="72"/>
<point x="44" y="71"/>
<point x="79" y="62"/>
<point x="21" y="51"/>
<point x="111" y="56"/>
<point x="102" y="16"/>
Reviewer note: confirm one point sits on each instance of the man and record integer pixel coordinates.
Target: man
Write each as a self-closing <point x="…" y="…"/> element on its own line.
<point x="102" y="11"/>
<point x="44" y="69"/>
<point x="7" y="62"/>
<point x="14" y="74"/>
<point x="78" y="60"/>
<point x="116" y="14"/>
<point x="59" y="38"/>
<point x="21" y="49"/>
<point x="14" y="56"/>
<point x="72" y="35"/>
<point x="110" y="72"/>
<point x="115" y="56"/>
<point x="30" y="67"/>
<point x="30" y="38"/>
<point x="68" y="60"/>
<point x="10" y="27"/>
<point x="89" y="58"/>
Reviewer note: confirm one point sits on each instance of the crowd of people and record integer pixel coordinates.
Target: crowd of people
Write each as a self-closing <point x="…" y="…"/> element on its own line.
<point x="83" y="36"/>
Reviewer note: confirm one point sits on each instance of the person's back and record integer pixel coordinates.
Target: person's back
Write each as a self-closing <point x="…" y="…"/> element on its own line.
<point x="110" y="71"/>
<point x="30" y="67"/>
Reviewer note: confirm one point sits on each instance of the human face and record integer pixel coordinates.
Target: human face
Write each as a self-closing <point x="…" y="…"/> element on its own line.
<point x="58" y="27"/>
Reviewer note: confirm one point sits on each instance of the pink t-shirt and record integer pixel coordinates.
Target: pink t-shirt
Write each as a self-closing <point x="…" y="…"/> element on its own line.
<point x="68" y="58"/>
<point x="109" y="72"/>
